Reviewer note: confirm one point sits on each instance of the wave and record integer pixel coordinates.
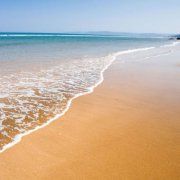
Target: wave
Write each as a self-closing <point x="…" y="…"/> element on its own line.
<point x="80" y="35"/>
<point x="111" y="58"/>
<point x="46" y="35"/>
<point x="171" y="45"/>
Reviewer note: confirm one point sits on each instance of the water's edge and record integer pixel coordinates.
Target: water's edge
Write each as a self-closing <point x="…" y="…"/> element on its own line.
<point x="113" y="56"/>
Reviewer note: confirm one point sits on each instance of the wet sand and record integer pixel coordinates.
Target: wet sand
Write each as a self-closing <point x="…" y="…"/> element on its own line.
<point x="127" y="129"/>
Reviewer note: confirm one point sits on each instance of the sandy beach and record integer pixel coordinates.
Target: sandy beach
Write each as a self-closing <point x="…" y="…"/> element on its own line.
<point x="128" y="128"/>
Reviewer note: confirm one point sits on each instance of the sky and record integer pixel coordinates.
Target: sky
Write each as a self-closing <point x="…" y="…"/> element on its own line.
<point x="139" y="16"/>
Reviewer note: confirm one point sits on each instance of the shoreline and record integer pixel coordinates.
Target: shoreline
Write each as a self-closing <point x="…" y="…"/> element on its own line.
<point x="19" y="137"/>
<point x="125" y="129"/>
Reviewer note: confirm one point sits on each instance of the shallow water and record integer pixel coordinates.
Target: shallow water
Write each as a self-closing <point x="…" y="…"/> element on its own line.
<point x="40" y="74"/>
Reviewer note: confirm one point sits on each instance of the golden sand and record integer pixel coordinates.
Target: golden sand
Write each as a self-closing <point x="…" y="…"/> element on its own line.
<point x="127" y="129"/>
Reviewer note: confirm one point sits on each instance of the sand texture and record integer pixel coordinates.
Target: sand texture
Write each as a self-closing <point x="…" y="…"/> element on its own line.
<point x="127" y="129"/>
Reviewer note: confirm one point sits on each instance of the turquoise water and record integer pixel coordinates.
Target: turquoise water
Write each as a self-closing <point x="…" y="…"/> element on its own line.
<point x="41" y="49"/>
<point x="40" y="74"/>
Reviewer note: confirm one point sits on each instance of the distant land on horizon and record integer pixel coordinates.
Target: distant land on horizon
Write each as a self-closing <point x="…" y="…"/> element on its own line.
<point x="97" y="33"/>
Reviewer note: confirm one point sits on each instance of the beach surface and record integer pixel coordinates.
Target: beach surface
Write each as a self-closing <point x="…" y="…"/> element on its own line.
<point x="128" y="128"/>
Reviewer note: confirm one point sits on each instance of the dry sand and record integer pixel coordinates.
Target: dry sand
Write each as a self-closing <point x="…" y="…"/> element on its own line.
<point x="127" y="129"/>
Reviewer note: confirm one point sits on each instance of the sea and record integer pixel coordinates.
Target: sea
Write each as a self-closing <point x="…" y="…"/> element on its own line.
<point x="41" y="73"/>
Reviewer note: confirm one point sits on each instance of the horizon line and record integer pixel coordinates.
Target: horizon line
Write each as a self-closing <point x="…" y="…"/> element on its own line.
<point x="90" y="32"/>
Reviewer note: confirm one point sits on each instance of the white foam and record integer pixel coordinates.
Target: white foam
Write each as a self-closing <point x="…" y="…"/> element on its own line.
<point x="111" y="58"/>
<point x="171" y="45"/>
<point x="80" y="35"/>
<point x="3" y="96"/>
<point x="159" y="54"/>
<point x="2" y="105"/>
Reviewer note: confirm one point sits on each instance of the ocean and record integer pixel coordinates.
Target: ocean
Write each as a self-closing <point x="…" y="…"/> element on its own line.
<point x="41" y="73"/>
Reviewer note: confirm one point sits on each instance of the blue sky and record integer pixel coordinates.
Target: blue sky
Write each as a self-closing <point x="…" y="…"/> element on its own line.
<point x="161" y="16"/>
